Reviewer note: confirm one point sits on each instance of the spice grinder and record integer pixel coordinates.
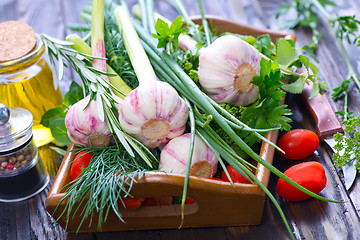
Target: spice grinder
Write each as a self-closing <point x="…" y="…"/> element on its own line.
<point x="22" y="173"/>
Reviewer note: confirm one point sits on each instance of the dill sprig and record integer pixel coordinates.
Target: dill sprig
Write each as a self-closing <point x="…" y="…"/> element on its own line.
<point x="107" y="179"/>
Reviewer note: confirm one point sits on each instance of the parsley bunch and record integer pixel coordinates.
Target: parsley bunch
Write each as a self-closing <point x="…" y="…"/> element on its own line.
<point x="348" y="148"/>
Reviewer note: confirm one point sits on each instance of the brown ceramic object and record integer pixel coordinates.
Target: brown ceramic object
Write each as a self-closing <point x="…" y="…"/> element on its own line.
<point x="217" y="203"/>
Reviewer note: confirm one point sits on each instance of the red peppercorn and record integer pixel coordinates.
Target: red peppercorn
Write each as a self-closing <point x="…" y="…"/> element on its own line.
<point x="10" y="166"/>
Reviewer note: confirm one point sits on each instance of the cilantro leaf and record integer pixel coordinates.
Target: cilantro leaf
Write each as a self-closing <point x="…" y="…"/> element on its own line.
<point x="169" y="34"/>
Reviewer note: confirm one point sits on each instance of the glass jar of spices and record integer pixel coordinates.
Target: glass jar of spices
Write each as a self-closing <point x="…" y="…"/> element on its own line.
<point x="22" y="173"/>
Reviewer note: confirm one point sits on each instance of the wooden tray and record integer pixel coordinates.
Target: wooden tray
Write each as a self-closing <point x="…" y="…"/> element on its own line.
<point x="217" y="203"/>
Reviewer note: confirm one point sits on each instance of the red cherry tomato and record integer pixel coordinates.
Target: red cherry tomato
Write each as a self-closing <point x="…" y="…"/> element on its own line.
<point x="81" y="161"/>
<point x="130" y="203"/>
<point x="189" y="200"/>
<point x="298" y="144"/>
<point x="310" y="175"/>
<point x="158" y="201"/>
<point x="235" y="176"/>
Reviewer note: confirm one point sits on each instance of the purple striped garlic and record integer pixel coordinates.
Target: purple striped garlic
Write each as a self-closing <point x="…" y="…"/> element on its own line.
<point x="226" y="69"/>
<point x="84" y="126"/>
<point x="174" y="157"/>
<point x="153" y="113"/>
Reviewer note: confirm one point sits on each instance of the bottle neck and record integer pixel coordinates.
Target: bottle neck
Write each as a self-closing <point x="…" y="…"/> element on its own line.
<point x="24" y="62"/>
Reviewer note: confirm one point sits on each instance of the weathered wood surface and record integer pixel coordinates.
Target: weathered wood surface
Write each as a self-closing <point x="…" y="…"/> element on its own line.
<point x="311" y="219"/>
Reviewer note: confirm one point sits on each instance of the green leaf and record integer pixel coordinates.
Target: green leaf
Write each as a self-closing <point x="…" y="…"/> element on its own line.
<point x="58" y="130"/>
<point x="267" y="112"/>
<point x="295" y="87"/>
<point x="264" y="45"/>
<point x="285" y="52"/>
<point x="310" y="51"/>
<point x="166" y="34"/>
<point x="51" y="114"/>
<point x="74" y="94"/>
<point x="314" y="69"/>
<point x="315" y="90"/>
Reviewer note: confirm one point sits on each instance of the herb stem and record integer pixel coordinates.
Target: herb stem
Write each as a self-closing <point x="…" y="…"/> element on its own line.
<point x="137" y="55"/>
<point x="351" y="72"/>
<point x="204" y="23"/>
<point x="321" y="8"/>
<point x="122" y="89"/>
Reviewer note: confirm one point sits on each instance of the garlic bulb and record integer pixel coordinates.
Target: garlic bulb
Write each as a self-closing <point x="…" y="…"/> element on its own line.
<point x="174" y="157"/>
<point x="84" y="126"/>
<point x="153" y="113"/>
<point x="226" y="69"/>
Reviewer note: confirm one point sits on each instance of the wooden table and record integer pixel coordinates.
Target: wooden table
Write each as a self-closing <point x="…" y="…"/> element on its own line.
<point x="311" y="219"/>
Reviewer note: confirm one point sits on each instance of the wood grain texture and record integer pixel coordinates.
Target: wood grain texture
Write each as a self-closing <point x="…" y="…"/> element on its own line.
<point x="310" y="219"/>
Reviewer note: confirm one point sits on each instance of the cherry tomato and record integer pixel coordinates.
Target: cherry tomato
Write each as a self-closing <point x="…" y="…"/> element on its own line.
<point x="189" y="200"/>
<point x="298" y="144"/>
<point x="310" y="175"/>
<point x="130" y="203"/>
<point x="158" y="201"/>
<point x="81" y="161"/>
<point x="235" y="176"/>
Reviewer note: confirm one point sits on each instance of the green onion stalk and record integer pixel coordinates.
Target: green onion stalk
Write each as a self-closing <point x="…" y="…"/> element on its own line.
<point x="168" y="70"/>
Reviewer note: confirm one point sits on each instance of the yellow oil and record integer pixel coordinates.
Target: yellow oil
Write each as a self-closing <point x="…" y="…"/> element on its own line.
<point x="28" y="83"/>
<point x="35" y="92"/>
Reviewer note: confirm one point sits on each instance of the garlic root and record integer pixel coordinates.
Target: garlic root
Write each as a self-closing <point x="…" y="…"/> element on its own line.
<point x="174" y="157"/>
<point x="153" y="113"/>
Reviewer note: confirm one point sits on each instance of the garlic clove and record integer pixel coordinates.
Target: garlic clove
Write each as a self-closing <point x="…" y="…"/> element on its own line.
<point x="153" y="113"/>
<point x="226" y="69"/>
<point x="84" y="126"/>
<point x="175" y="155"/>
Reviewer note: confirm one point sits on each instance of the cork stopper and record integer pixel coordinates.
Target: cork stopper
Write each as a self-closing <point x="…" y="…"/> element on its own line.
<point x="16" y="40"/>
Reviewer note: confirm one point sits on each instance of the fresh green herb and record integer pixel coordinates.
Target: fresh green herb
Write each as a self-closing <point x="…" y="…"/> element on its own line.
<point x="348" y="148"/>
<point x="268" y="112"/>
<point x="108" y="178"/>
<point x="343" y="27"/>
<point x="169" y="34"/>
<point x="75" y="94"/>
<point x="237" y="112"/>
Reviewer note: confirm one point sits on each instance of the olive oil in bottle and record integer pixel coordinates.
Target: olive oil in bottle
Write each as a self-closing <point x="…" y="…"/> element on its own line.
<point x="26" y="81"/>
